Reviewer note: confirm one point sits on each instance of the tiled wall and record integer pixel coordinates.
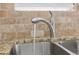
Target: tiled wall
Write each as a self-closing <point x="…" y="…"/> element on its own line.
<point x="67" y="23"/>
<point x="16" y="26"/>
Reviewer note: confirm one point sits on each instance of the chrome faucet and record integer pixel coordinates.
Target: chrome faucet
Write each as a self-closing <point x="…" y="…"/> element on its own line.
<point x="52" y="21"/>
<point x="36" y="20"/>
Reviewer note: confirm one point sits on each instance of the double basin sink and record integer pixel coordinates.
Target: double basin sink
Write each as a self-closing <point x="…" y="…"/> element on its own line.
<point x="68" y="47"/>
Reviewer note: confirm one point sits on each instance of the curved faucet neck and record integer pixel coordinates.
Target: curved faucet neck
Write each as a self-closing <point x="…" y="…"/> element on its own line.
<point x="36" y="20"/>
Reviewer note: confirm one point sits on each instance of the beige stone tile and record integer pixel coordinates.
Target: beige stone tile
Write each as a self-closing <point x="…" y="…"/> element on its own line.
<point x="42" y="26"/>
<point x="7" y="6"/>
<point x="22" y="27"/>
<point x="45" y="15"/>
<point x="3" y="14"/>
<point x="14" y="36"/>
<point x="1" y="37"/>
<point x="46" y="33"/>
<point x="0" y="7"/>
<point x="6" y="13"/>
<point x="19" y="14"/>
<point x="16" y="28"/>
<point x="8" y="36"/>
<point x="19" y="27"/>
<point x="6" y="20"/>
<point x="7" y="28"/>
<point x="38" y="33"/>
<point x="28" y="27"/>
<point x="23" y="20"/>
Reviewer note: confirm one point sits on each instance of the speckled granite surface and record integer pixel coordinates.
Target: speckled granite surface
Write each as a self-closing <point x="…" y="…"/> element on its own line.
<point x="5" y="49"/>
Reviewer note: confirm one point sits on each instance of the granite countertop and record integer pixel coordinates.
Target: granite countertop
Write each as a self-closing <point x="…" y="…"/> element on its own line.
<point x="5" y="49"/>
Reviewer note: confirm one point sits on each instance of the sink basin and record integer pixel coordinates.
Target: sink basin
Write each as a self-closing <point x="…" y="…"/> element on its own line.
<point x="71" y="45"/>
<point x="41" y="48"/>
<point x="45" y="48"/>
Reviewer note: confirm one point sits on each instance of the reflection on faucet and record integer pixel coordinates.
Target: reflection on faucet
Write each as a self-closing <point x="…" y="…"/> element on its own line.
<point x="36" y="20"/>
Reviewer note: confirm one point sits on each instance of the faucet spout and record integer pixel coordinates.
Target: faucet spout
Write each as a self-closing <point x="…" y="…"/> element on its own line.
<point x="36" y="20"/>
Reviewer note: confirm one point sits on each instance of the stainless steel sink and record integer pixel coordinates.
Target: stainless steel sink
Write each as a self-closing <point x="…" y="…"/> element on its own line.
<point x="68" y="47"/>
<point x="41" y="48"/>
<point x="71" y="45"/>
<point x="46" y="48"/>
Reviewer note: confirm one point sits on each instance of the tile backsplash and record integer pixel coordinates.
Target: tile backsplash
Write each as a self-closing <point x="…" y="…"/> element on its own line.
<point x="17" y="25"/>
